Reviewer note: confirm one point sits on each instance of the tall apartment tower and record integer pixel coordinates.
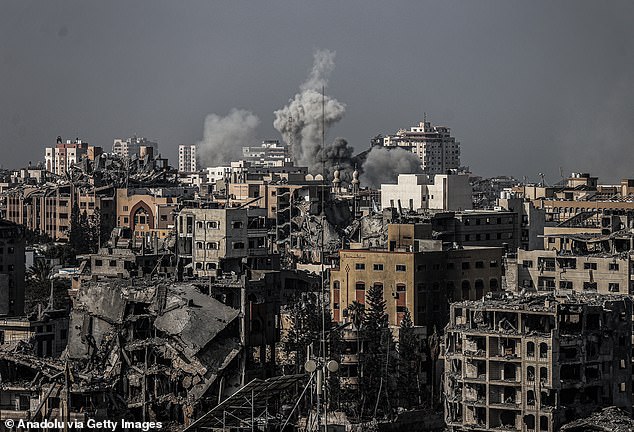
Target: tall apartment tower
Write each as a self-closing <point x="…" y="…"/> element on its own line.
<point x="186" y="158"/>
<point x="437" y="150"/>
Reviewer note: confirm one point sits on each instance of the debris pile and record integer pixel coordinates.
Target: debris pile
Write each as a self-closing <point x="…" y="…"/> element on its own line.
<point x="610" y="419"/>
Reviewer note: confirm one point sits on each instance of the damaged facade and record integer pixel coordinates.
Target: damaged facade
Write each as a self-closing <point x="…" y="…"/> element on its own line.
<point x="534" y="363"/>
<point x="142" y="351"/>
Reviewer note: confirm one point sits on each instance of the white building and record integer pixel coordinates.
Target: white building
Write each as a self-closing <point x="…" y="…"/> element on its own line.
<point x="434" y="146"/>
<point x="134" y="146"/>
<point x="451" y="192"/>
<point x="218" y="173"/>
<point x="63" y="156"/>
<point x="187" y="158"/>
<point x="270" y="154"/>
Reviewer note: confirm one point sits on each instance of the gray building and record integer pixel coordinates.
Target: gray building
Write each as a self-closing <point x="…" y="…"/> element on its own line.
<point x="12" y="269"/>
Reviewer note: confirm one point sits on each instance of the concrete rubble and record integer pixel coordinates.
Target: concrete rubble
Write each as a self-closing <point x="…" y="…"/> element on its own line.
<point x="609" y="419"/>
<point x="154" y="351"/>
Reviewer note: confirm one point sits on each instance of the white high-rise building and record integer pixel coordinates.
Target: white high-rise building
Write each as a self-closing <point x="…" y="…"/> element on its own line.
<point x="186" y="158"/>
<point x="434" y="146"/>
<point x="132" y="146"/>
<point x="63" y="156"/>
<point x="269" y="154"/>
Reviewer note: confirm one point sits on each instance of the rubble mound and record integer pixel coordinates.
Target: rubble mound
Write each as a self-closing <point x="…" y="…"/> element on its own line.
<point x="610" y="419"/>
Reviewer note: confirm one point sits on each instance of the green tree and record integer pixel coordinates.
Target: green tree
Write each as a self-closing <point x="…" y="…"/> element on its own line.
<point x="74" y="234"/>
<point x="79" y="235"/>
<point x="376" y="362"/>
<point x="305" y="328"/>
<point x="40" y="271"/>
<point x="408" y="364"/>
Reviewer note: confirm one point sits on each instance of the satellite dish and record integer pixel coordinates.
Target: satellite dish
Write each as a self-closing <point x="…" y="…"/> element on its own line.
<point x="332" y="366"/>
<point x="310" y="366"/>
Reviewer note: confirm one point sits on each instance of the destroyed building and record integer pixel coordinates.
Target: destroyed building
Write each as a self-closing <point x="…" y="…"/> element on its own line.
<point x="533" y="363"/>
<point x="142" y="351"/>
<point x="47" y="208"/>
<point x="609" y="419"/>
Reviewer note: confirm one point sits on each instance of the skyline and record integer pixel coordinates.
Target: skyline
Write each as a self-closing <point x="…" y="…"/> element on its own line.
<point x="525" y="88"/>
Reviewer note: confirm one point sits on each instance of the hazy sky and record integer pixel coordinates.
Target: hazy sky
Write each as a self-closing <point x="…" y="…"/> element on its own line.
<point x="526" y="87"/>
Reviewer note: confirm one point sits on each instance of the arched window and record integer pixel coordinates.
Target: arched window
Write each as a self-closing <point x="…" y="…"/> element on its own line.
<point x="530" y="349"/>
<point x="530" y="373"/>
<point x="493" y="284"/>
<point x="199" y="245"/>
<point x="543" y="350"/>
<point x="336" y="285"/>
<point x="543" y="374"/>
<point x="529" y="421"/>
<point x="360" y="286"/>
<point x="466" y="288"/>
<point x="479" y="288"/>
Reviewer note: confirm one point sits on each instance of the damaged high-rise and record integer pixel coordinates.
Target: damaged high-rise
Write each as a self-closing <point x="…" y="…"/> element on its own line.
<point x="534" y="363"/>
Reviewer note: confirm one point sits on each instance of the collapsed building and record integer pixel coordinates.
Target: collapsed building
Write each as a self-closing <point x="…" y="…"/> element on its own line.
<point x="533" y="363"/>
<point x="149" y="351"/>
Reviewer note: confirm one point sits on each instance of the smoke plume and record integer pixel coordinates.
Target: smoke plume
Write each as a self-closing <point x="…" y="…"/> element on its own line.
<point x="383" y="165"/>
<point x="300" y="121"/>
<point x="337" y="154"/>
<point x="224" y="137"/>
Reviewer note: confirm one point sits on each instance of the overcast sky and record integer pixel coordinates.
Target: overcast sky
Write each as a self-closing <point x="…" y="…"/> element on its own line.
<point x="526" y="87"/>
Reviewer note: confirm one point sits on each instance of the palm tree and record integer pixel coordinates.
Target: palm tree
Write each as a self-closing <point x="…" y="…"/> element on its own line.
<point x="40" y="271"/>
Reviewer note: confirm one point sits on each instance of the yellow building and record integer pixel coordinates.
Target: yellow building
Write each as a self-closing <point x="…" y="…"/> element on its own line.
<point x="423" y="281"/>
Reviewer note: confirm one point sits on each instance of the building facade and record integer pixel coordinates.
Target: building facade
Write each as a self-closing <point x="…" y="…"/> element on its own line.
<point x="547" y="270"/>
<point x="424" y="281"/>
<point x="63" y="156"/>
<point x="47" y="209"/>
<point x="187" y="158"/>
<point x="270" y="154"/>
<point x="12" y="269"/>
<point x="534" y="363"/>
<point x="419" y="191"/>
<point x="207" y="237"/>
<point x="128" y="147"/>
<point x="434" y="146"/>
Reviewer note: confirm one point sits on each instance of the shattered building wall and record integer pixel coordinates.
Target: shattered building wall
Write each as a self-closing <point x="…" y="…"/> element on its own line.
<point x="48" y="208"/>
<point x="211" y="238"/>
<point x="536" y="362"/>
<point x="162" y="348"/>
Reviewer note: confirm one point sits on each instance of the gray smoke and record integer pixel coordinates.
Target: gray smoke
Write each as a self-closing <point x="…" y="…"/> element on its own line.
<point x="224" y="137"/>
<point x="337" y="154"/>
<point x="383" y="165"/>
<point x="300" y="121"/>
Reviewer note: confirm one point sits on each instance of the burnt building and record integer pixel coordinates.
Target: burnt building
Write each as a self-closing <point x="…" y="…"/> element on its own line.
<point x="534" y="363"/>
